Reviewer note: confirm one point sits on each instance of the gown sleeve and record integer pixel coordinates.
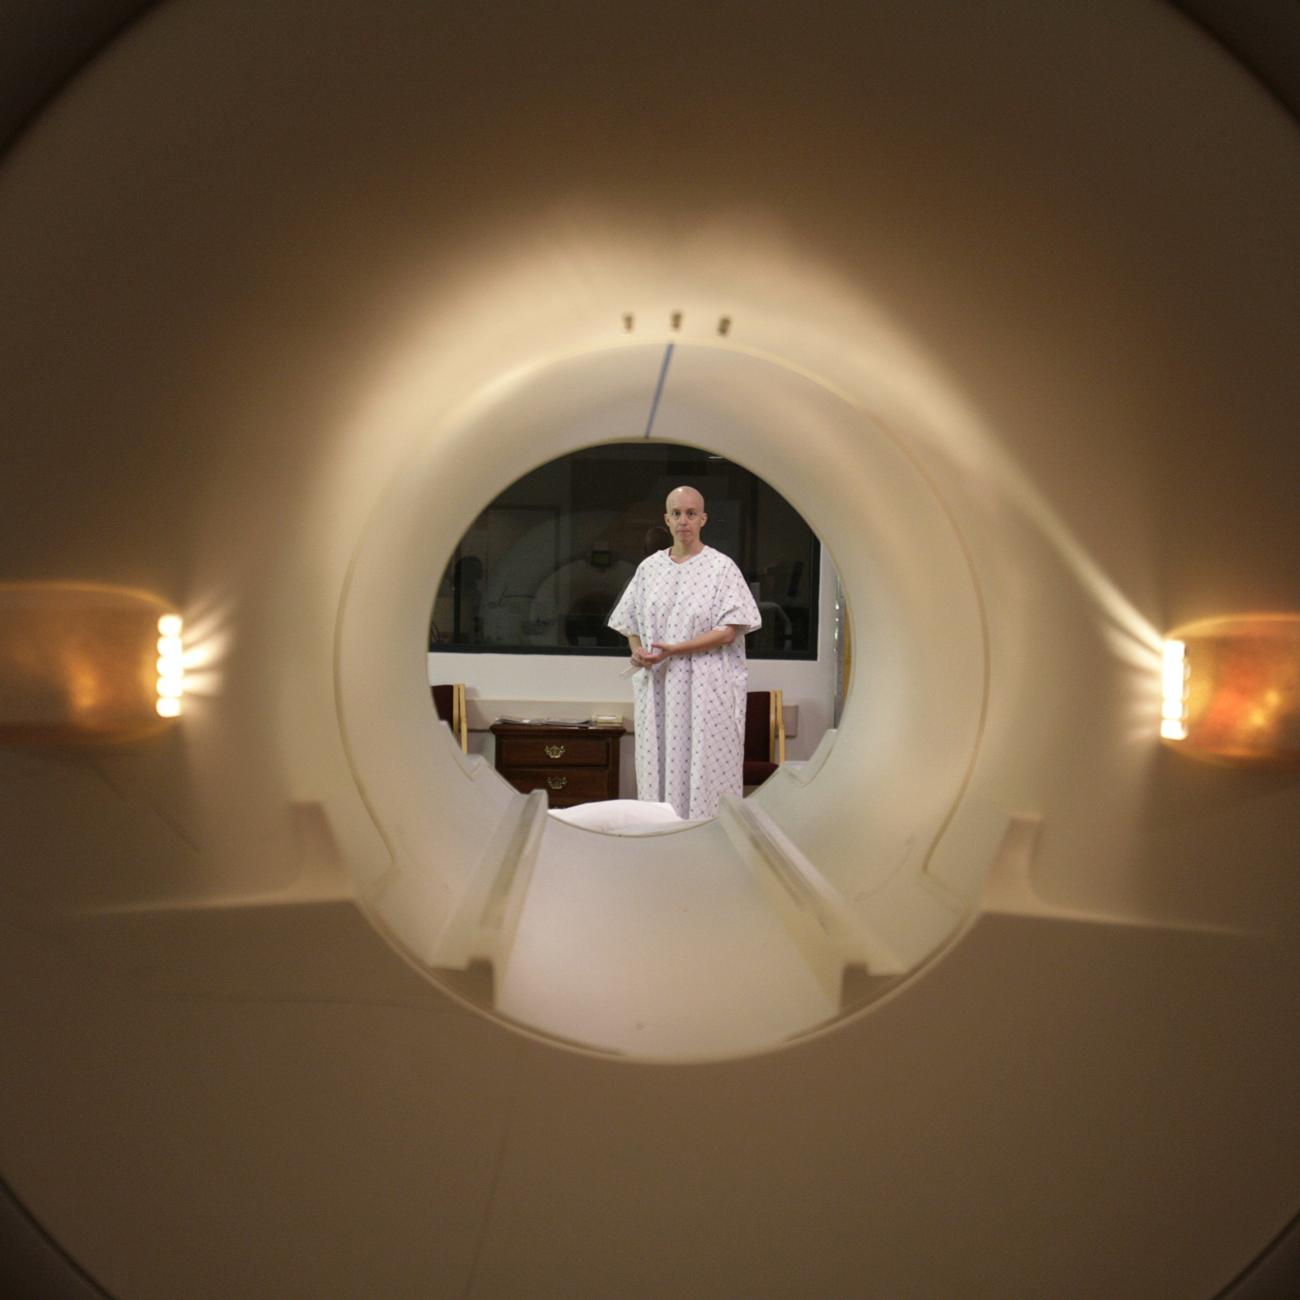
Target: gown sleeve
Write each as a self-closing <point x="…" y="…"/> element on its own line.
<point x="623" y="619"/>
<point x="736" y="602"/>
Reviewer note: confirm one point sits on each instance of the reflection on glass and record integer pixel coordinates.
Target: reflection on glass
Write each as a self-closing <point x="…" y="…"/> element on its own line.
<point x="542" y="566"/>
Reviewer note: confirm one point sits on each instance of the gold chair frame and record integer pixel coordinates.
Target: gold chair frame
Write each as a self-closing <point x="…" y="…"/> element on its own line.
<point x="776" y="727"/>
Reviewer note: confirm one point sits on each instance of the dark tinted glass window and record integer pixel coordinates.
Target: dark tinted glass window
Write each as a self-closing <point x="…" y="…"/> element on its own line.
<point x="540" y="569"/>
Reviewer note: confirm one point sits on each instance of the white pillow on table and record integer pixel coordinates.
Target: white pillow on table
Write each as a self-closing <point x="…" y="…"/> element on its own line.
<point x="614" y="815"/>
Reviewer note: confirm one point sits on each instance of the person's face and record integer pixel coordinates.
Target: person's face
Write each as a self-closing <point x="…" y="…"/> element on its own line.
<point x="685" y="517"/>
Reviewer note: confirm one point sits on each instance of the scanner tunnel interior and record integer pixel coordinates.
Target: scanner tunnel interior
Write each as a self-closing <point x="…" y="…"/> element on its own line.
<point x="293" y="291"/>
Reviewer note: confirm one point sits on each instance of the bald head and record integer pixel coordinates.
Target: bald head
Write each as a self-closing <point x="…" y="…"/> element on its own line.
<point x="680" y="495"/>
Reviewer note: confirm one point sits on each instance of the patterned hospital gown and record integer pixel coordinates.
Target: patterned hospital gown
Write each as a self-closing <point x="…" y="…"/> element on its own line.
<point x="690" y="709"/>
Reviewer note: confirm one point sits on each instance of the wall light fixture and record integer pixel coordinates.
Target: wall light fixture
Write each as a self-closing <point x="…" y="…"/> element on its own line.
<point x="171" y="666"/>
<point x="1231" y="690"/>
<point x="86" y="663"/>
<point x="1173" y="678"/>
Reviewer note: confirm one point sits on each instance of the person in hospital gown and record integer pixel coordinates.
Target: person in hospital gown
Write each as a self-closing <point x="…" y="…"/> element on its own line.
<point x="685" y="614"/>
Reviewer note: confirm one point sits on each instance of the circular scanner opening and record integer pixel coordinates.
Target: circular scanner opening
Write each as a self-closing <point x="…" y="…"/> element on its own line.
<point x="527" y="671"/>
<point x="769" y="923"/>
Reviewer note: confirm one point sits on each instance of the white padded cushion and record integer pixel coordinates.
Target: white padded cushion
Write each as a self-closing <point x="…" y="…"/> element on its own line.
<point x="618" y="815"/>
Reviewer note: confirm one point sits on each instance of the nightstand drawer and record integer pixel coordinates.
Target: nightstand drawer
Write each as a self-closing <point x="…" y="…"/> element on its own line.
<point x="575" y="785"/>
<point x="577" y="751"/>
<point x="572" y="764"/>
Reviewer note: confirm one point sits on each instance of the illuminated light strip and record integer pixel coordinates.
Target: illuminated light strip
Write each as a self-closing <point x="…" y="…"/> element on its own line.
<point x="171" y="666"/>
<point x="1173" y="678"/>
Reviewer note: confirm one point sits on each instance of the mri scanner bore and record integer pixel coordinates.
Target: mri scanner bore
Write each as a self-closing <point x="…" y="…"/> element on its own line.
<point x="293" y="290"/>
<point x="792" y="907"/>
<point x="537" y="575"/>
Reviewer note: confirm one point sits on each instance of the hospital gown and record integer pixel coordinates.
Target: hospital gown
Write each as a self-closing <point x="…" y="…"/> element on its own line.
<point x="690" y="709"/>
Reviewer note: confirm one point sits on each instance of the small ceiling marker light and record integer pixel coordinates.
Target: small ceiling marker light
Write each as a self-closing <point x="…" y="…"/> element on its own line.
<point x="1239" y="698"/>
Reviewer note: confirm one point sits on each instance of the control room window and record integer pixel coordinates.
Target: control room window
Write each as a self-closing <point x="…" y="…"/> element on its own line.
<point x="542" y="566"/>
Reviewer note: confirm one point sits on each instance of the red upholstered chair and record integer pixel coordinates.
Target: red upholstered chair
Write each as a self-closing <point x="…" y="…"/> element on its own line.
<point x="449" y="701"/>
<point x="764" y="736"/>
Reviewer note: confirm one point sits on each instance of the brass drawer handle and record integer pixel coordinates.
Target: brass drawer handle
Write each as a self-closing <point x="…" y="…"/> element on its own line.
<point x="555" y="751"/>
<point x="557" y="782"/>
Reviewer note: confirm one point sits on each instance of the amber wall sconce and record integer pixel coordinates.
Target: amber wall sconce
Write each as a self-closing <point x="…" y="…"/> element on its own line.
<point x="86" y="664"/>
<point x="1231" y="689"/>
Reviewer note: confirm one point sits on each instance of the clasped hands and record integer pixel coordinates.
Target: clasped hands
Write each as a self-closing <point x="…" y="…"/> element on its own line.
<point x="644" y="658"/>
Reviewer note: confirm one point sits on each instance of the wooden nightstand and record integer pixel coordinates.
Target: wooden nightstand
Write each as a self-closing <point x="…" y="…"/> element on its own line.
<point x="572" y="762"/>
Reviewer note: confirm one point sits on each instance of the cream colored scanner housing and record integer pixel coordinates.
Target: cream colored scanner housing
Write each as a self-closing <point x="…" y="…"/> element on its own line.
<point x="292" y="290"/>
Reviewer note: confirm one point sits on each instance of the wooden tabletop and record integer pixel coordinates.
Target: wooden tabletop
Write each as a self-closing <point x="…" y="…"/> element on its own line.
<point x="502" y="725"/>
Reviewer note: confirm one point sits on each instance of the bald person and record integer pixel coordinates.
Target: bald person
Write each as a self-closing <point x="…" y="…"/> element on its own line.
<point x="685" y="614"/>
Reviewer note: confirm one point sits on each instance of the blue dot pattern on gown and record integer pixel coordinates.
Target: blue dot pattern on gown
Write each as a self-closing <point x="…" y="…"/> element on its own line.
<point x="690" y="709"/>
